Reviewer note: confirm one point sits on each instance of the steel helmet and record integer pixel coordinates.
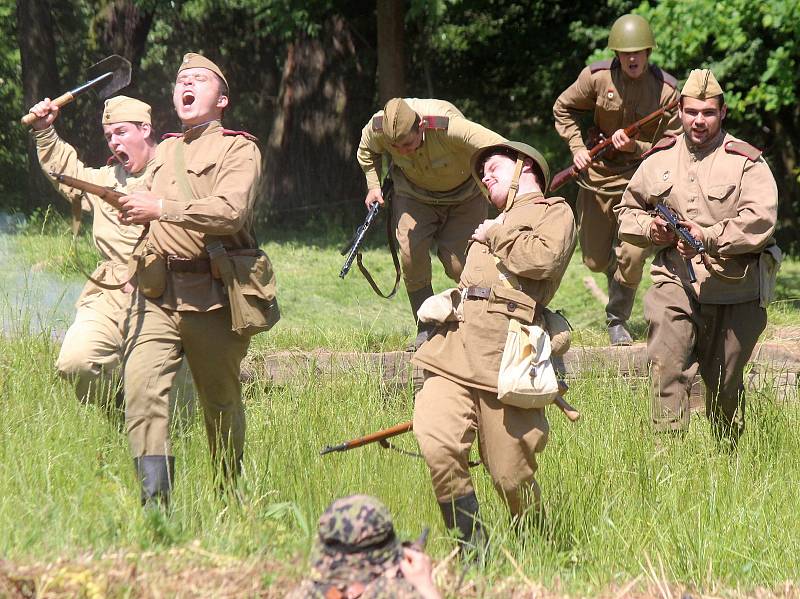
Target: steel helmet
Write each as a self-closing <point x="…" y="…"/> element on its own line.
<point x="630" y="33"/>
<point x="512" y="149"/>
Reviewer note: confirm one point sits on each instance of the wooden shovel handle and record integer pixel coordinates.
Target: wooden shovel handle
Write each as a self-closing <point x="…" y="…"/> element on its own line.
<point x="60" y="101"/>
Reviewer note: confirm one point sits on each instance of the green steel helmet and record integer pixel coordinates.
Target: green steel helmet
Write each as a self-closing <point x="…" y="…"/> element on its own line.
<point x="630" y="33"/>
<point x="512" y="149"/>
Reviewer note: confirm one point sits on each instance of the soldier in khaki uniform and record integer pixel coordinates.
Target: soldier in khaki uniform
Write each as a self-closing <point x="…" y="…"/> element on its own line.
<point x="202" y="189"/>
<point x="430" y="144"/>
<point x="725" y="192"/>
<point x="618" y="92"/>
<point x="529" y="245"/>
<point x="92" y="347"/>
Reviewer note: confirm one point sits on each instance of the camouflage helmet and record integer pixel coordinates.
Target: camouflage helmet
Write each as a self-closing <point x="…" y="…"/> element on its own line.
<point x="630" y="33"/>
<point x="355" y="542"/>
<point x="512" y="149"/>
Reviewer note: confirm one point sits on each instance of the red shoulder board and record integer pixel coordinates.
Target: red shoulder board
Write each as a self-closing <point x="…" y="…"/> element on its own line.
<point x="245" y="134"/>
<point x="662" y="144"/>
<point x="662" y="75"/>
<point x="111" y="160"/>
<point x="377" y="123"/>
<point x="168" y="135"/>
<point x="602" y="65"/>
<point x="436" y="122"/>
<point x="743" y="148"/>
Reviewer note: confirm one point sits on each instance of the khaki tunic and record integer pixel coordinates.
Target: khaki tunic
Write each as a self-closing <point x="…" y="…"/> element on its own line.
<point x="458" y="400"/>
<point x="92" y="345"/>
<point x="734" y="199"/>
<point x="192" y="315"/>
<point x="616" y="101"/>
<point x="435" y="196"/>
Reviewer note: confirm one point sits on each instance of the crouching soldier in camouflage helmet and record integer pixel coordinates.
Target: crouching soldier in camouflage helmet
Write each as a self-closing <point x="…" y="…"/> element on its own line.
<point x="618" y="93"/>
<point x="725" y="194"/>
<point x="356" y="554"/>
<point x="435" y="199"/>
<point x="200" y="206"/>
<point x="513" y="268"/>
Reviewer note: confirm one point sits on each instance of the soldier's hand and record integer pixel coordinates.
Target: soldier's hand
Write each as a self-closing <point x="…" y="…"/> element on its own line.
<point x="622" y="142"/>
<point x="374" y="195"/>
<point x="140" y="208"/>
<point x="684" y="249"/>
<point x="660" y="233"/>
<point x="481" y="233"/>
<point x="582" y="159"/>
<point x="46" y="112"/>
<point x="417" y="569"/>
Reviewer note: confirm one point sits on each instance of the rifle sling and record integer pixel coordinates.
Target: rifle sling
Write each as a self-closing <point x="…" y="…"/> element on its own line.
<point x="390" y="239"/>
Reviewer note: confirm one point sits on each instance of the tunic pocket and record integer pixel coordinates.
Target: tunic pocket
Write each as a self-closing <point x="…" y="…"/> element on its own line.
<point x="720" y="192"/>
<point x="512" y="303"/>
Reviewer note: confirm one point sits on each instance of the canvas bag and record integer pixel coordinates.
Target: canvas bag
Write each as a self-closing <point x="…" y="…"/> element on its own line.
<point x="526" y="378"/>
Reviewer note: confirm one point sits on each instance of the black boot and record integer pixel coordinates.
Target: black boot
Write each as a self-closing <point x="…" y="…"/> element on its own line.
<point x="461" y="514"/>
<point x="618" y="311"/>
<point x="155" y="473"/>
<point x="424" y="330"/>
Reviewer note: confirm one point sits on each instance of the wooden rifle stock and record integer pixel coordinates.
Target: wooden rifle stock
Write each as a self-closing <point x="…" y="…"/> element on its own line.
<point x="108" y="195"/>
<point x="570" y="173"/>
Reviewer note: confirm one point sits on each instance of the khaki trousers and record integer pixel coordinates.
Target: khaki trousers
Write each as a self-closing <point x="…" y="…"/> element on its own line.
<point x="447" y="418"/>
<point x="597" y="234"/>
<point x="418" y="225"/>
<point x="684" y="336"/>
<point x="157" y="340"/>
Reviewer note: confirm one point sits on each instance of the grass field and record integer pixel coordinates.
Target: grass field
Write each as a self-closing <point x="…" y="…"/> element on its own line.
<point x="626" y="515"/>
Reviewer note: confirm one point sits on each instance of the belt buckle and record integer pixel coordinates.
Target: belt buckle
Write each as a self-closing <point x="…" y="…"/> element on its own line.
<point x="174" y="260"/>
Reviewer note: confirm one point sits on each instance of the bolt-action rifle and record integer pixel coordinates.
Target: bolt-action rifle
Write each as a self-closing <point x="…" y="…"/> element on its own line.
<point x="382" y="436"/>
<point x="353" y="248"/>
<point x="605" y="145"/>
<point x="683" y="233"/>
<point x="108" y="195"/>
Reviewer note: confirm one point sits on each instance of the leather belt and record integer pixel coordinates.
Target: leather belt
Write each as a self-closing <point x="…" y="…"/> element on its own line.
<point x="478" y="292"/>
<point x="201" y="265"/>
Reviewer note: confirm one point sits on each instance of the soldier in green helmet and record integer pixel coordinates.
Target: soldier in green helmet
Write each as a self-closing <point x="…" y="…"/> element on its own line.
<point x="618" y="93"/>
<point x="514" y="266"/>
<point x="357" y="554"/>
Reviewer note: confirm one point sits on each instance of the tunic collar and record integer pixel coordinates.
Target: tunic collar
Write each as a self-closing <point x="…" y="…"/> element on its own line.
<point x="703" y="151"/>
<point x="196" y="131"/>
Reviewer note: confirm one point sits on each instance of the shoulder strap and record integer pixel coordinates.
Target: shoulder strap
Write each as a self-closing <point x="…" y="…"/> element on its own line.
<point x="662" y="75"/>
<point x="436" y="122"/>
<point x="662" y="144"/>
<point x="244" y="134"/>
<point x="601" y="65"/>
<point x="377" y="123"/>
<point x="168" y="135"/>
<point x="743" y="148"/>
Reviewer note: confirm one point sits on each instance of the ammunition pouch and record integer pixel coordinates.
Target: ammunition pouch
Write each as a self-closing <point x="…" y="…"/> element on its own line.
<point x="769" y="263"/>
<point x="250" y="285"/>
<point x="559" y="330"/>
<point x="151" y="274"/>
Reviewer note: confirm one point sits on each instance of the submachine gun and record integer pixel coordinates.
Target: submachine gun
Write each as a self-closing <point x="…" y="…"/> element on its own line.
<point x="353" y="248"/>
<point x="683" y="233"/>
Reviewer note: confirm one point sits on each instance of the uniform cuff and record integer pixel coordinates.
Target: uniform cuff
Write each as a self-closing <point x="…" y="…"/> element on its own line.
<point x="711" y="237"/>
<point x="373" y="181"/>
<point x="576" y="146"/>
<point x="45" y="135"/>
<point x="492" y="234"/>
<point x="171" y="211"/>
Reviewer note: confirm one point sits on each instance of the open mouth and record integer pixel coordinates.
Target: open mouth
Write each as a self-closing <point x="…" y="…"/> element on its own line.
<point x="123" y="157"/>
<point x="187" y="98"/>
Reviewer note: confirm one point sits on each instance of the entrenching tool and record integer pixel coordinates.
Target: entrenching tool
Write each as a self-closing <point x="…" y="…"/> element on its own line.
<point x="106" y="77"/>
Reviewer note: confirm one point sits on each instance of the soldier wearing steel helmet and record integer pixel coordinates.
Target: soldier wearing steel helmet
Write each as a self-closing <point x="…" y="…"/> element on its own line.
<point x="435" y="200"/>
<point x="723" y="190"/>
<point x="618" y="93"/>
<point x="514" y="266"/>
<point x="357" y="554"/>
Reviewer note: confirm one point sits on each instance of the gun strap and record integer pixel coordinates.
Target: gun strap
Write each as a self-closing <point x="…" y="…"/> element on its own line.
<point x="390" y="239"/>
<point x="717" y="272"/>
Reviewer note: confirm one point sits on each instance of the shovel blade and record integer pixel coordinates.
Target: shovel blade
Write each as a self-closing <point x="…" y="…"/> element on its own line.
<point x="120" y="70"/>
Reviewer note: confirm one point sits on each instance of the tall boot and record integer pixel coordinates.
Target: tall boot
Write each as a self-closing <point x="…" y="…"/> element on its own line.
<point x="416" y="298"/>
<point x="155" y="473"/>
<point x="461" y="514"/>
<point x="618" y="311"/>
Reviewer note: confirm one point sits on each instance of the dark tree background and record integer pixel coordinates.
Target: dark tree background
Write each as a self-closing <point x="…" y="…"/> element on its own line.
<point x="306" y="76"/>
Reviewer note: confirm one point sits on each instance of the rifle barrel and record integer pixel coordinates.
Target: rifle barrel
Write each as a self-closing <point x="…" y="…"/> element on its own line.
<point x="108" y="195"/>
<point x="386" y="433"/>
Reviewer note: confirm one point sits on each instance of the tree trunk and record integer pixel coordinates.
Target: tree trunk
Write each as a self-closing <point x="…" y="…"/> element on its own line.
<point x="391" y="51"/>
<point x="39" y="80"/>
<point x="326" y="93"/>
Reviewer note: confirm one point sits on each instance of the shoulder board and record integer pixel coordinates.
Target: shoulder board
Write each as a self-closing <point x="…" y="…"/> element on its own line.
<point x="662" y="144"/>
<point x="602" y="65"/>
<point x="168" y="135"/>
<point x="436" y="122"/>
<point x="112" y="160"/>
<point x="245" y="134"/>
<point x="377" y="123"/>
<point x="662" y="75"/>
<point x="743" y="148"/>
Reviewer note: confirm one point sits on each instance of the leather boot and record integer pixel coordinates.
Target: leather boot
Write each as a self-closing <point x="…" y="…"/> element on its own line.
<point x="424" y="330"/>
<point x="461" y="514"/>
<point x="618" y="310"/>
<point x="155" y="473"/>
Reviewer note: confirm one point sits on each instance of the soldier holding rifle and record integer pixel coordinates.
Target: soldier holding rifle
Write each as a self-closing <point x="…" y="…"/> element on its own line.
<point x="92" y="346"/>
<point x="726" y="197"/>
<point x="435" y="199"/>
<point x="618" y="92"/>
<point x="513" y="268"/>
